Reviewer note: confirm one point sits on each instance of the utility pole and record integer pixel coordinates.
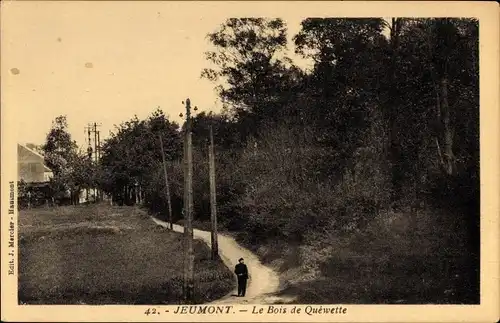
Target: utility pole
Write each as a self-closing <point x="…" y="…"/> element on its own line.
<point x="98" y="151"/>
<point x="169" y="203"/>
<point x="92" y="128"/>
<point x="95" y="156"/>
<point x="185" y="211"/>
<point x="98" y="147"/>
<point x="213" y="200"/>
<point x="89" y="152"/>
<point x="188" y="226"/>
<point x="88" y="129"/>
<point x="95" y="141"/>
<point x="185" y="171"/>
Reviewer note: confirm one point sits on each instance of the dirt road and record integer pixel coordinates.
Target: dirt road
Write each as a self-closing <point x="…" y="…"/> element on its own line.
<point x="263" y="283"/>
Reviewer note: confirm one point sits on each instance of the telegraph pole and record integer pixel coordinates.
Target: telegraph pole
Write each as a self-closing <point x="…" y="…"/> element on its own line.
<point x="89" y="152"/>
<point x="95" y="142"/>
<point x="169" y="203"/>
<point x="95" y="157"/>
<point x="98" y="148"/>
<point x="92" y="128"/>
<point x="185" y="212"/>
<point x="98" y="151"/>
<point x="213" y="200"/>
<point x="188" y="226"/>
<point x="89" y="142"/>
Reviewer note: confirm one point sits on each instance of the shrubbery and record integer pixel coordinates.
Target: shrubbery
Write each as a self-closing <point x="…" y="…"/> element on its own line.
<point x="351" y="152"/>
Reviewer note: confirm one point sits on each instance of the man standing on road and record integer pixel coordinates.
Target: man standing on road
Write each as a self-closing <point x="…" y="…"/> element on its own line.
<point x="241" y="272"/>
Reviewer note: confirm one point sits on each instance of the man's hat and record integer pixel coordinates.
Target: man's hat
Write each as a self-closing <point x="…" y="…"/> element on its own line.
<point x="240" y="259"/>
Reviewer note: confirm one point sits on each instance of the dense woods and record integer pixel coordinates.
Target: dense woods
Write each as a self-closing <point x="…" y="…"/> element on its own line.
<point x="383" y="127"/>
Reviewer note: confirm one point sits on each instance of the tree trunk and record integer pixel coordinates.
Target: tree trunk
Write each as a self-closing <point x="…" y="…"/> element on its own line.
<point x="124" y="195"/>
<point x="449" y="157"/>
<point x="394" y="152"/>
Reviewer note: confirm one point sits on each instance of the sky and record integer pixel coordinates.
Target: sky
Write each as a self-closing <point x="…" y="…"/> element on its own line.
<point x="105" y="62"/>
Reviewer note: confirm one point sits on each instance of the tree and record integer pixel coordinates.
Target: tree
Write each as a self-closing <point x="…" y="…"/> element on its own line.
<point x="433" y="90"/>
<point x="159" y="125"/>
<point x="344" y="86"/>
<point x="447" y="45"/>
<point x="60" y="153"/>
<point x="391" y="97"/>
<point x="132" y="154"/>
<point x="225" y="134"/>
<point x="85" y="173"/>
<point x="59" y="148"/>
<point x="253" y="74"/>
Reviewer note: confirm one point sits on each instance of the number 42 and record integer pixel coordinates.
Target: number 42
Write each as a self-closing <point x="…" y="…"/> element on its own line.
<point x="151" y="311"/>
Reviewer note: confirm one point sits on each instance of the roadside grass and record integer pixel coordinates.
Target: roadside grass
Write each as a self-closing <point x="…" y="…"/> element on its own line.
<point x="99" y="254"/>
<point x="400" y="258"/>
<point x="200" y="225"/>
<point x="408" y="257"/>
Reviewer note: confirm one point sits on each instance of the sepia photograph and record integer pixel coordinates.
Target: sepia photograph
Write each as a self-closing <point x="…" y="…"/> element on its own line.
<point x="191" y="162"/>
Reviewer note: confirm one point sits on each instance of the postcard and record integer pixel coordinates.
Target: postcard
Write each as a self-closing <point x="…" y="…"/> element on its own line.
<point x="253" y="161"/>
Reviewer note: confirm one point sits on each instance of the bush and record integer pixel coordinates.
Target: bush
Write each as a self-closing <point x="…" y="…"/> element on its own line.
<point x="32" y="195"/>
<point x="283" y="199"/>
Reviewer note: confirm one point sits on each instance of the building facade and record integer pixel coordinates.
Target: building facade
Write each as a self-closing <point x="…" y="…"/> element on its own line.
<point x="31" y="167"/>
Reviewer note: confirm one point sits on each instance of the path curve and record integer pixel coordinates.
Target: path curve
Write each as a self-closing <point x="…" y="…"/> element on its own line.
<point x="261" y="289"/>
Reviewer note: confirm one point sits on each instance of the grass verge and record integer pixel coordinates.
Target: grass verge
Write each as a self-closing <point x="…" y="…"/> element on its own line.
<point x="400" y="258"/>
<point x="108" y="255"/>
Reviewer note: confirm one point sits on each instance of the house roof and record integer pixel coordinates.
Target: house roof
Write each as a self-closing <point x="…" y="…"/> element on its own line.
<point x="31" y="150"/>
<point x="36" y="154"/>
